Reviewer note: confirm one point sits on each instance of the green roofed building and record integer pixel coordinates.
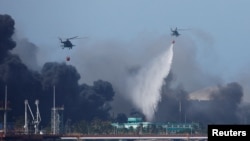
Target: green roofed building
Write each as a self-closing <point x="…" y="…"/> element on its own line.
<point x="136" y="124"/>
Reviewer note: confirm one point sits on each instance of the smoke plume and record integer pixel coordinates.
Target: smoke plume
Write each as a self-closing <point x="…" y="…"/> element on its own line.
<point x="6" y="31"/>
<point x="26" y="83"/>
<point x="28" y="52"/>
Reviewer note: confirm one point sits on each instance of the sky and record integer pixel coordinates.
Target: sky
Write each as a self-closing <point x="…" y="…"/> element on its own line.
<point x="215" y="41"/>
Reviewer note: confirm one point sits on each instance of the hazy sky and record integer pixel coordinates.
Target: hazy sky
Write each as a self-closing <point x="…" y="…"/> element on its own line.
<point x="219" y="29"/>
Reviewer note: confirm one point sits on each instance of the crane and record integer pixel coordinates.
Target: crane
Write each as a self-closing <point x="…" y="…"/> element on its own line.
<point x="35" y="120"/>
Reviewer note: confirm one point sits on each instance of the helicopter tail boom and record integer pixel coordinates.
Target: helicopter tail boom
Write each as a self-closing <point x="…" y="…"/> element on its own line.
<point x="60" y="39"/>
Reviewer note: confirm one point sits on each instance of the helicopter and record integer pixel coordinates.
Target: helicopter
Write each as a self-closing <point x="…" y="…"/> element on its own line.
<point x="175" y="32"/>
<point x="67" y="43"/>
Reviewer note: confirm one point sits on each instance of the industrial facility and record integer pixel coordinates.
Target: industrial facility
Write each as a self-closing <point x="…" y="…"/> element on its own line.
<point x="135" y="123"/>
<point x="131" y="129"/>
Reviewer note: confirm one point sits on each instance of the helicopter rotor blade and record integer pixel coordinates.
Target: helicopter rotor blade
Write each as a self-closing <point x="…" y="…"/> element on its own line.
<point x="184" y="29"/>
<point x="81" y="38"/>
<point x="72" y="37"/>
<point x="76" y="37"/>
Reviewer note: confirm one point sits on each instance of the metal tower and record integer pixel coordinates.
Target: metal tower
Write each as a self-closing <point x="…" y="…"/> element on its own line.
<point x="56" y="120"/>
<point x="5" y="109"/>
<point x="56" y="117"/>
<point x="35" y="120"/>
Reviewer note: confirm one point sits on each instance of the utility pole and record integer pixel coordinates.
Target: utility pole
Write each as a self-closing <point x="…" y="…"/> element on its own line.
<point x="54" y="112"/>
<point x="5" y="112"/>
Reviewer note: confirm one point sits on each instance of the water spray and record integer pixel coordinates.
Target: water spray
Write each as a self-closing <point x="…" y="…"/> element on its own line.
<point x="146" y="85"/>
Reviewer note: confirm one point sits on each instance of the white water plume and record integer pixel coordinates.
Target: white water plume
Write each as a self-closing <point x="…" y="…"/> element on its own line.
<point x="146" y="85"/>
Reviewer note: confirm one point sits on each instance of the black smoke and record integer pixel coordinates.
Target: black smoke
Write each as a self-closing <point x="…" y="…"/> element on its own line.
<point x="80" y="101"/>
<point x="6" y="31"/>
<point x="224" y="106"/>
<point x="95" y="100"/>
<point x="28" y="52"/>
<point x="173" y="103"/>
<point x="13" y="73"/>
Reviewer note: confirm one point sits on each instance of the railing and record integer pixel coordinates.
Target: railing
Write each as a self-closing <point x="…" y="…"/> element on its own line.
<point x="139" y="137"/>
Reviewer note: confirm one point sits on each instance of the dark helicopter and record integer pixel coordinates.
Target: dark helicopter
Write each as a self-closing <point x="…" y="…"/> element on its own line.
<point x="175" y="32"/>
<point x="67" y="43"/>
